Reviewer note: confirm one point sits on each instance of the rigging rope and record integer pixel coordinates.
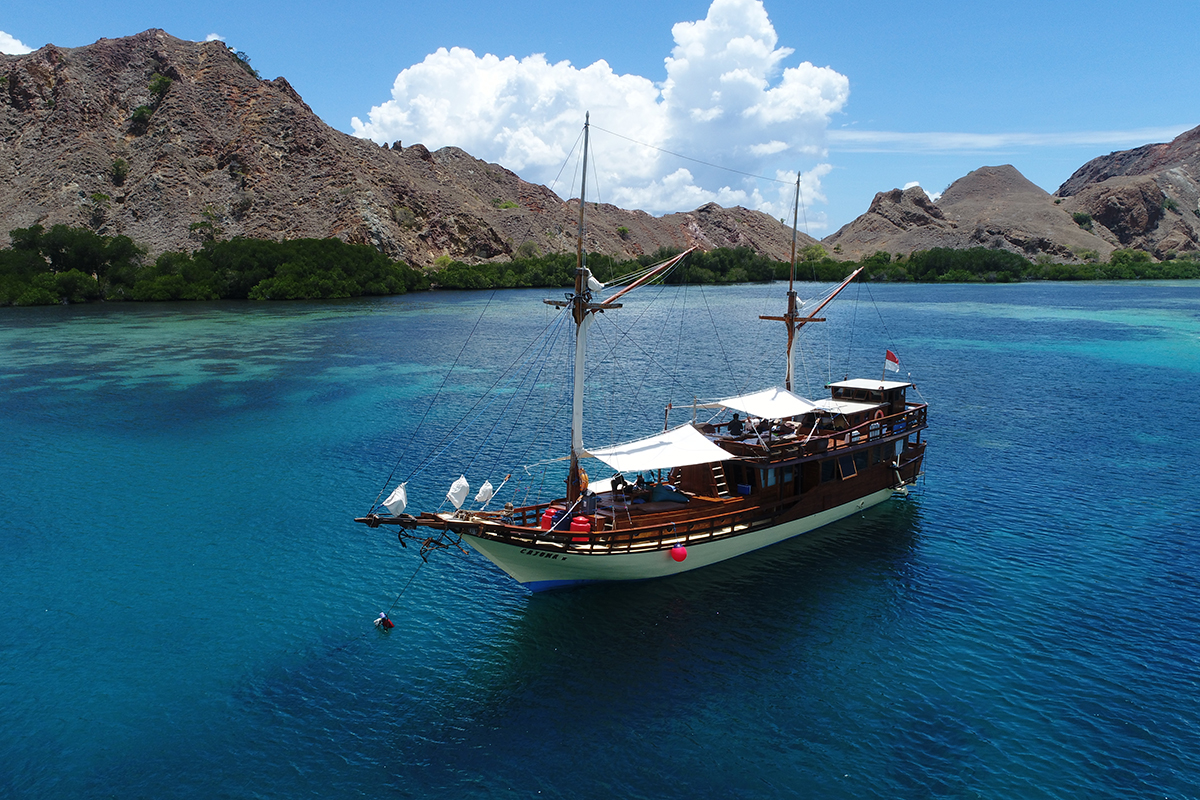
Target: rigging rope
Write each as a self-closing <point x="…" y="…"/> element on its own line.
<point x="405" y="589"/>
<point x="465" y="424"/>
<point x="566" y="161"/>
<point x="853" y="325"/>
<point x="717" y="334"/>
<point x="518" y="379"/>
<point x="886" y="333"/>
<point x="625" y="334"/>
<point x="676" y="297"/>
<point x="550" y="360"/>
<point x="430" y="407"/>
<point x="689" y="158"/>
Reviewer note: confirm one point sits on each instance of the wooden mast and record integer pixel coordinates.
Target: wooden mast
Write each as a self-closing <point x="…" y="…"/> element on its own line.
<point x="791" y="312"/>
<point x="582" y="314"/>
<point x="583" y="309"/>
<point x="792" y="318"/>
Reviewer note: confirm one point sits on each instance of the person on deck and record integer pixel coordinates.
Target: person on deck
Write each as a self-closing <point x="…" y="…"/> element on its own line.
<point x="735" y="426"/>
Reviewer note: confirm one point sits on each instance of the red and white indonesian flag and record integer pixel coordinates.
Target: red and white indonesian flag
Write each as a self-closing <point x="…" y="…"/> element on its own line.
<point x="891" y="362"/>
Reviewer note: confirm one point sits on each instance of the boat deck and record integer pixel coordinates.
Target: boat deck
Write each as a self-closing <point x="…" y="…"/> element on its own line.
<point x="615" y="513"/>
<point x="629" y="519"/>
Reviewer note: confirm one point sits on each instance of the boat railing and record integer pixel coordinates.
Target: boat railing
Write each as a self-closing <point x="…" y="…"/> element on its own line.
<point x="668" y="533"/>
<point x="912" y="418"/>
<point x="530" y="518"/>
<point x="795" y="445"/>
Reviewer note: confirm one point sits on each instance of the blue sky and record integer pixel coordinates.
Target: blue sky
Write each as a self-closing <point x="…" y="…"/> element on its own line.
<point x="860" y="97"/>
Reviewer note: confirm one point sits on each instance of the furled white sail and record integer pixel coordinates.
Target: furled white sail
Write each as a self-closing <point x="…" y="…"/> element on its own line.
<point x="458" y="491"/>
<point x="485" y="492"/>
<point x="398" y="500"/>
<point x="677" y="447"/>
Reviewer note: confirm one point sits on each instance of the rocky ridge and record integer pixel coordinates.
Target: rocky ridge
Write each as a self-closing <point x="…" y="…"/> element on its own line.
<point x="171" y="142"/>
<point x="993" y="207"/>
<point x="1147" y="198"/>
<point x="94" y="136"/>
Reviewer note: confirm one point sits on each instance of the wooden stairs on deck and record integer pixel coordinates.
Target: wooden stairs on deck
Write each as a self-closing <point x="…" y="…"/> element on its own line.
<point x="719" y="479"/>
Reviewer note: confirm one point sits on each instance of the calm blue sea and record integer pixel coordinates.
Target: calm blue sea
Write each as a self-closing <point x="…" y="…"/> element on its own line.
<point x="188" y="605"/>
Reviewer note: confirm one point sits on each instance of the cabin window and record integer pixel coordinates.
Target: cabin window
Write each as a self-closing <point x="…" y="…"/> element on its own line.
<point x="860" y="460"/>
<point x="828" y="470"/>
<point x="846" y="465"/>
<point x="767" y="477"/>
<point x="876" y="457"/>
<point x="787" y="476"/>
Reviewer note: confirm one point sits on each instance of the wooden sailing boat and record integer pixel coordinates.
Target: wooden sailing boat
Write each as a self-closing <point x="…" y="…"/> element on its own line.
<point x="721" y="490"/>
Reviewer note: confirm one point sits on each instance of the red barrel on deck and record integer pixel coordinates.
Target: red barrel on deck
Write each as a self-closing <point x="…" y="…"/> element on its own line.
<point x="580" y="524"/>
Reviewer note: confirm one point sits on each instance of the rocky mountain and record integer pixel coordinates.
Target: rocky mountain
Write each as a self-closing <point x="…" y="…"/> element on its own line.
<point x="169" y="142"/>
<point x="994" y="207"/>
<point x="1147" y="198"/>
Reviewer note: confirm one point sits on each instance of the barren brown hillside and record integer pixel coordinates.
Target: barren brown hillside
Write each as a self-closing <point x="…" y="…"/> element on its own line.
<point x="1147" y="198"/>
<point x="216" y="148"/>
<point x="993" y="207"/>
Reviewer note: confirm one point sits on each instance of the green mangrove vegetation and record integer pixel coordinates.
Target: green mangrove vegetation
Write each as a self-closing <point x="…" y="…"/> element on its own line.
<point x="77" y="265"/>
<point x="742" y="265"/>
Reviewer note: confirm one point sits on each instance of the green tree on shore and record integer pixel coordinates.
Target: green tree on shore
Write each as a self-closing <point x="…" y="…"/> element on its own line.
<point x="78" y="265"/>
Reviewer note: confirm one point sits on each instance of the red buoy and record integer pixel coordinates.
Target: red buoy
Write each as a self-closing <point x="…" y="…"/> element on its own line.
<point x="679" y="552"/>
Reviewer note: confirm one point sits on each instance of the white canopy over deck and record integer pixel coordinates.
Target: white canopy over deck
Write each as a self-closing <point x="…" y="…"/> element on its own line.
<point x="678" y="447"/>
<point x="869" y="384"/>
<point x="773" y="403"/>
<point x="844" y="406"/>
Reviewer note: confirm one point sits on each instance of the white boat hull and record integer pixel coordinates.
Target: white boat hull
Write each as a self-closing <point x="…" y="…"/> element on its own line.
<point x="539" y="569"/>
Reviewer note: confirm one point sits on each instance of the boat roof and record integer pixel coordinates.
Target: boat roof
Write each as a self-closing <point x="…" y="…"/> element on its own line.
<point x="773" y="403"/>
<point x="868" y="383"/>
<point x="678" y="447"/>
<point x="844" y="406"/>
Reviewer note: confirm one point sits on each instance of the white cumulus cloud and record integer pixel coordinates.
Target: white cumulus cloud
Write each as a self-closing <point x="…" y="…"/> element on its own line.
<point x="12" y="46"/>
<point x="934" y="196"/>
<point x="728" y="100"/>
<point x="214" y="37"/>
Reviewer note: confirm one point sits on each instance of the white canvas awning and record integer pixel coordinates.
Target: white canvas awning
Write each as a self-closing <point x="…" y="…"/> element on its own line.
<point x="678" y="447"/>
<point x="774" y="403"/>
<point x="844" y="406"/>
<point x="869" y="384"/>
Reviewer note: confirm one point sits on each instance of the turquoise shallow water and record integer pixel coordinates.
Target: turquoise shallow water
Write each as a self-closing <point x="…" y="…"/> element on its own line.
<point x="188" y="606"/>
